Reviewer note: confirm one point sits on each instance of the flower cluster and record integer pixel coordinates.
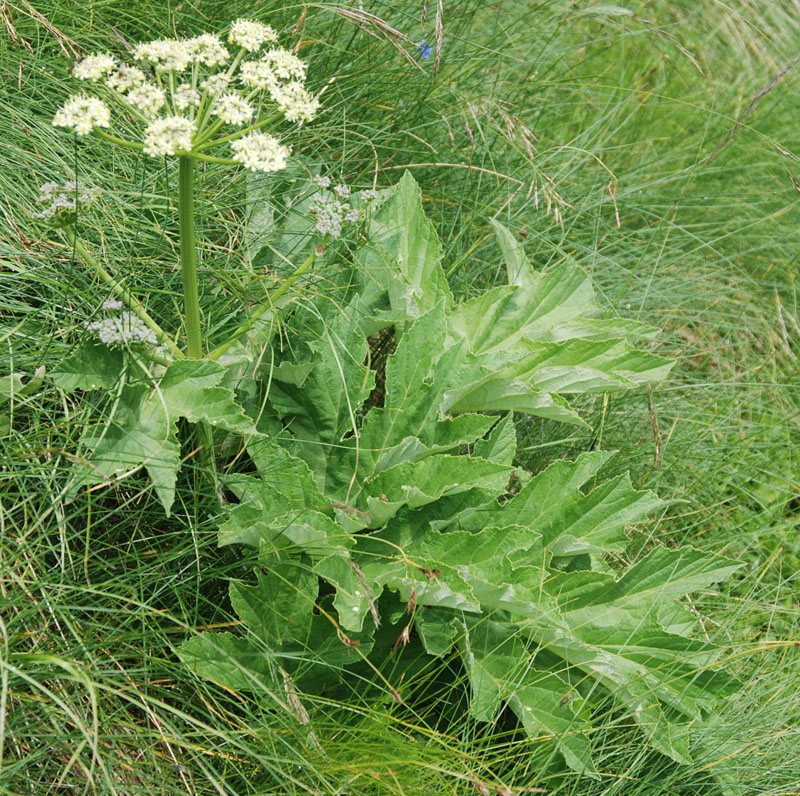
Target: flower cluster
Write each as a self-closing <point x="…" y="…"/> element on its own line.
<point x="83" y="114"/>
<point x="123" y="329"/>
<point x="168" y="135"/>
<point x="63" y="201"/>
<point x="94" y="67"/>
<point x="251" y="35"/>
<point x="147" y="99"/>
<point x="183" y="91"/>
<point x="260" y="152"/>
<point x="185" y="97"/>
<point x="331" y="208"/>
<point x="280" y="73"/>
<point x="233" y="109"/>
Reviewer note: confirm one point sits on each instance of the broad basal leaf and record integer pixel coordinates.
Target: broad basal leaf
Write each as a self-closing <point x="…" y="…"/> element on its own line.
<point x="142" y="429"/>
<point x="403" y="256"/>
<point x="324" y="409"/>
<point x="93" y="366"/>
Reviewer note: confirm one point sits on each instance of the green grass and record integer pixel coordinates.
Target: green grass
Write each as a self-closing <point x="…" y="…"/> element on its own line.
<point x="97" y="591"/>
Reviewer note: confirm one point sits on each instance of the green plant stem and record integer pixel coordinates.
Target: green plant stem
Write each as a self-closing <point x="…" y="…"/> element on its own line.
<point x="264" y="307"/>
<point x="191" y="300"/>
<point x="118" y="141"/>
<point x="122" y="293"/>
<point x="213" y="159"/>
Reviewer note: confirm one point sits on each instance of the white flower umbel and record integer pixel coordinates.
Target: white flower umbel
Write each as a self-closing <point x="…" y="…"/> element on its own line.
<point x="294" y="102"/>
<point x="147" y="98"/>
<point x="216" y="84"/>
<point x="94" y="67"/>
<point x="63" y="201"/>
<point x="260" y="152"/>
<point x="165" y="54"/>
<point x="168" y="135"/>
<point x="208" y="49"/>
<point x="125" y="78"/>
<point x="186" y="97"/>
<point x="329" y="209"/>
<point x="285" y="64"/>
<point x="258" y="74"/>
<point x="233" y="109"/>
<point x="122" y="329"/>
<point x="329" y="214"/>
<point x="83" y="114"/>
<point x="250" y="35"/>
<point x="368" y="195"/>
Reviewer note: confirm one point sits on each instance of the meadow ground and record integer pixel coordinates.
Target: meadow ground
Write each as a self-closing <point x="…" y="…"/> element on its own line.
<point x="656" y="145"/>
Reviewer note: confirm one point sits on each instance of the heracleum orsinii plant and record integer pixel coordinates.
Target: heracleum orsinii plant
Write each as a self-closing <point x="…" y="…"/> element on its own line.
<point x="197" y="99"/>
<point x="396" y="517"/>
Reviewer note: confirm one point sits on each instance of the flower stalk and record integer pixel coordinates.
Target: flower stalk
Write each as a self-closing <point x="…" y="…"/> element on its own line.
<point x="188" y="248"/>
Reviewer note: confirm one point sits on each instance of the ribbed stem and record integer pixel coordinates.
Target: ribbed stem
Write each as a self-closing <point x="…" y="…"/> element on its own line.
<point x="191" y="299"/>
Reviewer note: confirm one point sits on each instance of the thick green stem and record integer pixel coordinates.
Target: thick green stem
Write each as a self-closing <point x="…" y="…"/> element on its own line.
<point x="122" y="293"/>
<point x="191" y="297"/>
<point x="270" y="304"/>
<point x="191" y="300"/>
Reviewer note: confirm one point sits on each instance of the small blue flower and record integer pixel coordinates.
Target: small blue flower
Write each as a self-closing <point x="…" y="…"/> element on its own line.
<point x="424" y="49"/>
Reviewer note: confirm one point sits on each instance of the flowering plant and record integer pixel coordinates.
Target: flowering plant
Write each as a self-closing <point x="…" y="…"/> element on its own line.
<point x="183" y="96"/>
<point x="381" y="490"/>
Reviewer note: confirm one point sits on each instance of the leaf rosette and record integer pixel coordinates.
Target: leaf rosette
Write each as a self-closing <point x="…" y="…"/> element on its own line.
<point x="396" y="514"/>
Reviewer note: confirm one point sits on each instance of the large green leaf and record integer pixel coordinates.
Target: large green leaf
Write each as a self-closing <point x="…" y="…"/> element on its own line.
<point x="142" y="429"/>
<point x="92" y="367"/>
<point x="403" y="256"/>
<point x="323" y="409"/>
<point x="287" y="633"/>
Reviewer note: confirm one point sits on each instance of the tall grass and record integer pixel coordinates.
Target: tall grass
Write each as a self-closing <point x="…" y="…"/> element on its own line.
<point x="608" y="120"/>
